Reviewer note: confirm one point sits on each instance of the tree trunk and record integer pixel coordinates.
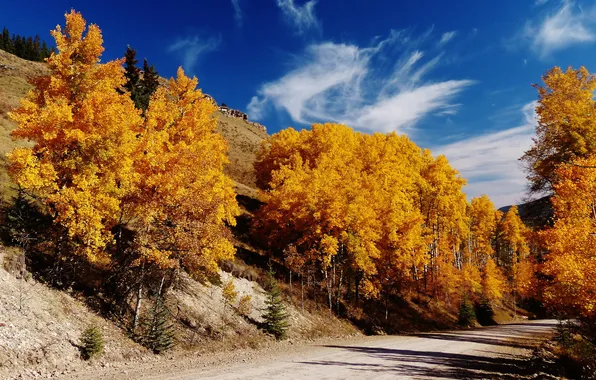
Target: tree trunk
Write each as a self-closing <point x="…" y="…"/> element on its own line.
<point x="138" y="307"/>
<point x="333" y="282"/>
<point x="135" y="321"/>
<point x="327" y="280"/>
<point x="341" y="276"/>
<point x="302" y="292"/>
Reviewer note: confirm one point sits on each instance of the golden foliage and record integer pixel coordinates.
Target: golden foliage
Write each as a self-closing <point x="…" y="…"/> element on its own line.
<point x="566" y="127"/>
<point x="378" y="208"/>
<point x="84" y="136"/>
<point x="571" y="242"/>
<point x="229" y="292"/>
<point x="96" y="163"/>
<point x="494" y="283"/>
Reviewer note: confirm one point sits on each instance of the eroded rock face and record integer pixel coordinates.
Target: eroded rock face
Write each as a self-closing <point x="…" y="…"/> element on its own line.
<point x="258" y="125"/>
<point x="238" y="114"/>
<point x="232" y="112"/>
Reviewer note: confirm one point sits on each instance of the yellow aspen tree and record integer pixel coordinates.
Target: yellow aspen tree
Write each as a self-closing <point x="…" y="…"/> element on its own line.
<point x="184" y="201"/>
<point x="566" y="127"/>
<point x="571" y="242"/>
<point x="483" y="224"/>
<point x="444" y="205"/>
<point x="513" y="238"/>
<point x="494" y="282"/>
<point x="83" y="135"/>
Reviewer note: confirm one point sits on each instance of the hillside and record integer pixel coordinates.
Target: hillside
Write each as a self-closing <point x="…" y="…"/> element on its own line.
<point x="536" y="214"/>
<point x="14" y="75"/>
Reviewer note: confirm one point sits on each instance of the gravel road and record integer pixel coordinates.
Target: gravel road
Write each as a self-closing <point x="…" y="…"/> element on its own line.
<point x="495" y="352"/>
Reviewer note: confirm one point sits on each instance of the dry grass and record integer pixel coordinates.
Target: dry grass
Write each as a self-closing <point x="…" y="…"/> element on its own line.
<point x="243" y="140"/>
<point x="14" y="76"/>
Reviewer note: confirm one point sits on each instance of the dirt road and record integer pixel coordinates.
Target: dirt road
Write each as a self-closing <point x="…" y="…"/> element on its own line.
<point x="494" y="352"/>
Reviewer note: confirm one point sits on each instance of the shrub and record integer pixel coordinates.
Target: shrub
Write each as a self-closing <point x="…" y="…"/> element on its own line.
<point x="229" y="292"/>
<point x="244" y="305"/>
<point x="484" y="313"/>
<point x="91" y="342"/>
<point x="466" y="313"/>
<point x="577" y="349"/>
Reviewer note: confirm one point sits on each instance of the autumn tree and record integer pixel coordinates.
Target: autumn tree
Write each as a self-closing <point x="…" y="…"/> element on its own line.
<point x="374" y="214"/>
<point x="83" y="135"/>
<point x="483" y="226"/>
<point x="97" y="165"/>
<point x="512" y="245"/>
<point x="566" y="128"/>
<point x="571" y="242"/>
<point x="183" y="202"/>
<point x="444" y="206"/>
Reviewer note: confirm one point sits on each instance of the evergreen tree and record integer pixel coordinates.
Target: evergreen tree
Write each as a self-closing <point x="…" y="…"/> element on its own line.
<point x="36" y="52"/>
<point x="6" y="41"/>
<point x="45" y="52"/>
<point x="133" y="76"/>
<point x="149" y="84"/>
<point x="30" y="48"/>
<point x="140" y="89"/>
<point x="91" y="342"/>
<point x="160" y="335"/>
<point x="276" y="318"/>
<point x="467" y="316"/>
<point x="17" y="46"/>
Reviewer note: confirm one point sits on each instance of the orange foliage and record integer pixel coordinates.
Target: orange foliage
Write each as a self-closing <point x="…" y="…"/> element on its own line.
<point x="571" y="243"/>
<point x="96" y="163"/>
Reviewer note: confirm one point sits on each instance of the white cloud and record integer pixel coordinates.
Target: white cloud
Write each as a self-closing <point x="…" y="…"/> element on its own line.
<point x="568" y="25"/>
<point x="301" y="17"/>
<point x="238" y="15"/>
<point x="354" y="85"/>
<point x="490" y="161"/>
<point x="446" y="37"/>
<point x="191" y="48"/>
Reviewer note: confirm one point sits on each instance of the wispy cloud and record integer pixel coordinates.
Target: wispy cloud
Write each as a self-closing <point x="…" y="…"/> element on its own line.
<point x="490" y="161"/>
<point x="447" y="36"/>
<point x="352" y="84"/>
<point x="190" y="49"/>
<point x="566" y="26"/>
<point x="301" y="17"/>
<point x="238" y="15"/>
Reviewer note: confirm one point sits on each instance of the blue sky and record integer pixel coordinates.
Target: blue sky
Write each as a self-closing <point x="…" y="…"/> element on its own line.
<point x="454" y="76"/>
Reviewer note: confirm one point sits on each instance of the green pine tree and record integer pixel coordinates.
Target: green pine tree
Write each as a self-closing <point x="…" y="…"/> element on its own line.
<point x="133" y="76"/>
<point x="149" y="84"/>
<point x="160" y="334"/>
<point x="45" y="52"/>
<point x="276" y="318"/>
<point x="467" y="315"/>
<point x="91" y="342"/>
<point x="6" y="41"/>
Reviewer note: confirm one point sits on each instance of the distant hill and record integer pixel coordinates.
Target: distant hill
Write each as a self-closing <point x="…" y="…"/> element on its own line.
<point x="536" y="214"/>
<point x="243" y="136"/>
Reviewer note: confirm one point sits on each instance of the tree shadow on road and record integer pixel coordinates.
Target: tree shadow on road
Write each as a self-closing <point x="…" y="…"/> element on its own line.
<point x="430" y="364"/>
